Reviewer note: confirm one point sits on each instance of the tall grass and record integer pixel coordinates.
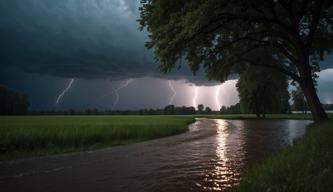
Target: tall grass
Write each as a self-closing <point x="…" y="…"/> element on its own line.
<point x="41" y="135"/>
<point x="306" y="166"/>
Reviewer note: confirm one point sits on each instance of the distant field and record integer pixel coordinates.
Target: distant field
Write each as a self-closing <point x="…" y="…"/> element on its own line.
<point x="42" y="135"/>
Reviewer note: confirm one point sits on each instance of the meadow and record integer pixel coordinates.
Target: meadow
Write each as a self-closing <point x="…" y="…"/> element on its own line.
<point x="26" y="136"/>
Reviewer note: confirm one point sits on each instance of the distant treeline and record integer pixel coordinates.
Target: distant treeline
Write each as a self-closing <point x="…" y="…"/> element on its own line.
<point x="13" y="102"/>
<point x="328" y="106"/>
<point x="233" y="109"/>
<point x="168" y="110"/>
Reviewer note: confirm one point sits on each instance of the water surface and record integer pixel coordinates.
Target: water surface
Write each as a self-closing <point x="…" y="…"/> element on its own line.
<point x="209" y="157"/>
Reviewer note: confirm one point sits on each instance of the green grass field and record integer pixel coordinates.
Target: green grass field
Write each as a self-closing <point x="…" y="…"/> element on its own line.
<point x="306" y="166"/>
<point x="28" y="136"/>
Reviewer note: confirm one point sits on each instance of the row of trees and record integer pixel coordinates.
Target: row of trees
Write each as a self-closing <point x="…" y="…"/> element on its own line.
<point x="328" y="106"/>
<point x="13" y="102"/>
<point x="95" y="111"/>
<point x="203" y="110"/>
<point x="233" y="109"/>
<point x="168" y="110"/>
<point x="173" y="110"/>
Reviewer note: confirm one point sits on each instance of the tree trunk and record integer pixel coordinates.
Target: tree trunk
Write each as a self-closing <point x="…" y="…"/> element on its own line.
<point x="316" y="108"/>
<point x="309" y="89"/>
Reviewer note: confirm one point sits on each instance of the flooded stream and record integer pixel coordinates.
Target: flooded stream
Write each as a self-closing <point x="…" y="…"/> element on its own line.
<point x="209" y="157"/>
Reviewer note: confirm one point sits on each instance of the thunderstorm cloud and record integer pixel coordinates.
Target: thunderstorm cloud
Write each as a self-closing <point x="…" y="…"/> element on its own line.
<point x="89" y="39"/>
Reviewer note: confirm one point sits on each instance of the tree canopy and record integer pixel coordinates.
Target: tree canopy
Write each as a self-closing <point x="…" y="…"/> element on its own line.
<point x="233" y="109"/>
<point x="223" y="36"/>
<point x="200" y="108"/>
<point x="263" y="91"/>
<point x="13" y="102"/>
<point x="299" y="102"/>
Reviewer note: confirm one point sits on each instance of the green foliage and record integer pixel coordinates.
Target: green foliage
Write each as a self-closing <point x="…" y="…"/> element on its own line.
<point x="12" y="102"/>
<point x="200" y="108"/>
<point x="169" y="110"/>
<point x="208" y="110"/>
<point x="299" y="100"/>
<point x="41" y="135"/>
<point x="175" y="110"/>
<point x="306" y="166"/>
<point x="328" y="106"/>
<point x="233" y="109"/>
<point x="220" y="34"/>
<point x="263" y="91"/>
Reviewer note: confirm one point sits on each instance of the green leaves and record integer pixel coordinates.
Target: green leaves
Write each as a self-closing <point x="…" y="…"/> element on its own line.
<point x="222" y="35"/>
<point x="263" y="91"/>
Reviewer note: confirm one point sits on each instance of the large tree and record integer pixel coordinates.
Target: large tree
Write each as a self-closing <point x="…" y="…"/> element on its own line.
<point x="263" y="91"/>
<point x="13" y="102"/>
<point x="299" y="100"/>
<point x="223" y="35"/>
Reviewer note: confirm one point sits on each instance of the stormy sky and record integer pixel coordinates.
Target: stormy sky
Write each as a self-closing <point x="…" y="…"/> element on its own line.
<point x="46" y="43"/>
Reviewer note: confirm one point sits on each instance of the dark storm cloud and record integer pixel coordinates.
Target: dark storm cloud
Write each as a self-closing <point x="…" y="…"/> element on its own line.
<point x="89" y="39"/>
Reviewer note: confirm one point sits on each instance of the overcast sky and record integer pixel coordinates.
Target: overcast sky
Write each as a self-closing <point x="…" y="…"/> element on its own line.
<point x="46" y="43"/>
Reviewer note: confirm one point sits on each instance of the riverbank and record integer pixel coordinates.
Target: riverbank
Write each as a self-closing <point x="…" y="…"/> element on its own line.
<point x="29" y="136"/>
<point x="306" y="166"/>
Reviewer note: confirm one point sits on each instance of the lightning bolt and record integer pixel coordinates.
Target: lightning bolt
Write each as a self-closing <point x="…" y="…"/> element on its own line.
<point x="116" y="92"/>
<point x="217" y="97"/>
<point x="65" y="91"/>
<point x="174" y="93"/>
<point x="195" y="97"/>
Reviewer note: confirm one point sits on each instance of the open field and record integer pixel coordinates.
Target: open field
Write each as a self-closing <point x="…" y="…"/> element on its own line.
<point x="28" y="136"/>
<point x="306" y="166"/>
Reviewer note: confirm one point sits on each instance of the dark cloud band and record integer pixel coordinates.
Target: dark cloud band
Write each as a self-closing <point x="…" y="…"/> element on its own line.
<point x="89" y="39"/>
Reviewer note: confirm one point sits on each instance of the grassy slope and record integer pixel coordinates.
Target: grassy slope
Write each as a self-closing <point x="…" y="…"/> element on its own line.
<point x="306" y="166"/>
<point x="41" y="135"/>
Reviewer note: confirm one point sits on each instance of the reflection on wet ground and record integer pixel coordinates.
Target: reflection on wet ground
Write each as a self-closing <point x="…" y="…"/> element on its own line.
<point x="209" y="157"/>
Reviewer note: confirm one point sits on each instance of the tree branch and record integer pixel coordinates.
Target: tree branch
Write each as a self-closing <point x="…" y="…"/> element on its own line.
<point x="282" y="70"/>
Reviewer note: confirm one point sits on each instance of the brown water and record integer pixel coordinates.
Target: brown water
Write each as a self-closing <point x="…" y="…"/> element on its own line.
<point x="209" y="157"/>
